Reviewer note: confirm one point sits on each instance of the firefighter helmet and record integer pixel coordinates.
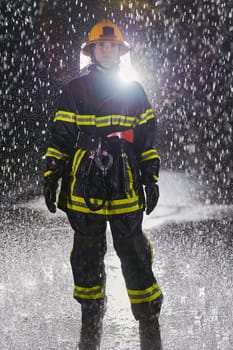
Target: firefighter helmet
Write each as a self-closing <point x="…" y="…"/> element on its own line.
<point x="105" y="30"/>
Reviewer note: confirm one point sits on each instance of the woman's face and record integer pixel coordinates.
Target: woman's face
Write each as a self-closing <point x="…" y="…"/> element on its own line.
<point x="107" y="53"/>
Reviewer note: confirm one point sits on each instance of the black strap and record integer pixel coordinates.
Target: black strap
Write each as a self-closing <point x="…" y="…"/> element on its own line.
<point x="93" y="207"/>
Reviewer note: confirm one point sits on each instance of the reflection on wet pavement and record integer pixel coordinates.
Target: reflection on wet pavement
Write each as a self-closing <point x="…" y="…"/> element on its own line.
<point x="193" y="262"/>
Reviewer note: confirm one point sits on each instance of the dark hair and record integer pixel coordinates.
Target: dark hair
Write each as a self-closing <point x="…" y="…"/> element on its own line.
<point x="92" y="47"/>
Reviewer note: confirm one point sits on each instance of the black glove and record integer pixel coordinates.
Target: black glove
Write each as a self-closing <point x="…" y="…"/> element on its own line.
<point x="50" y="189"/>
<point x="152" y="196"/>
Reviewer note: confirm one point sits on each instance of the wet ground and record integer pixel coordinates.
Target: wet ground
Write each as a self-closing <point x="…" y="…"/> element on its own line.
<point x="193" y="261"/>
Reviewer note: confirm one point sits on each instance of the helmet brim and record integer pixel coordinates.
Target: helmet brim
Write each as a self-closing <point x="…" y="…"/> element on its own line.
<point x="86" y="47"/>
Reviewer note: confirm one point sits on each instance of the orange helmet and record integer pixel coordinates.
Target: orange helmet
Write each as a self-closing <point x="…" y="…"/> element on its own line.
<point x="105" y="30"/>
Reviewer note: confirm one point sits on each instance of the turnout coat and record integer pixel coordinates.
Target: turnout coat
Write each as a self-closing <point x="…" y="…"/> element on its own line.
<point x="103" y="135"/>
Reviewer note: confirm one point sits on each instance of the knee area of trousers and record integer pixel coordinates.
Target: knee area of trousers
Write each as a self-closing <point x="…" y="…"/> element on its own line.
<point x="98" y="241"/>
<point x="137" y="244"/>
<point x="136" y="240"/>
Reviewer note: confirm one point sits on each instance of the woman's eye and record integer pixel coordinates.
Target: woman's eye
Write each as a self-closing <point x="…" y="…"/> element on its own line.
<point x="100" y="44"/>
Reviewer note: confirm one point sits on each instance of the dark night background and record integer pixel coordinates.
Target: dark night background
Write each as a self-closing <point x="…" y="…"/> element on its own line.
<point x="183" y="50"/>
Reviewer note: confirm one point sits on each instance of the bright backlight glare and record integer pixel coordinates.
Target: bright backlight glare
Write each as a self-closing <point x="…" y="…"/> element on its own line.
<point x="127" y="72"/>
<point x="84" y="60"/>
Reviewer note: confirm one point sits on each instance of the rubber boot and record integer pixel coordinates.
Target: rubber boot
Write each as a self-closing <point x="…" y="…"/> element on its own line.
<point x="92" y="325"/>
<point x="91" y="331"/>
<point x="149" y="331"/>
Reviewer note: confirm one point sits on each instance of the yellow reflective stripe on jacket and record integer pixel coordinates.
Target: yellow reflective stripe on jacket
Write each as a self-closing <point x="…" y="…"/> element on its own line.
<point x="79" y="154"/>
<point x="118" y="206"/>
<point x="76" y="162"/>
<point x="65" y="117"/>
<point x="48" y="173"/>
<point x="102" y="121"/>
<point x="111" y="205"/>
<point x="146" y="116"/>
<point x="95" y="292"/>
<point x="143" y="296"/>
<point x="131" y="192"/>
<point x="53" y="152"/>
<point x="149" y="154"/>
<point x="93" y="120"/>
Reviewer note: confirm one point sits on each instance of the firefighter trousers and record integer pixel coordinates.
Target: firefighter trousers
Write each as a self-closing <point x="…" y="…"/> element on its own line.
<point x="134" y="251"/>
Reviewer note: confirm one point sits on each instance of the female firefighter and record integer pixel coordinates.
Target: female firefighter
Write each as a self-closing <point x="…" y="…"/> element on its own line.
<point x="102" y="146"/>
